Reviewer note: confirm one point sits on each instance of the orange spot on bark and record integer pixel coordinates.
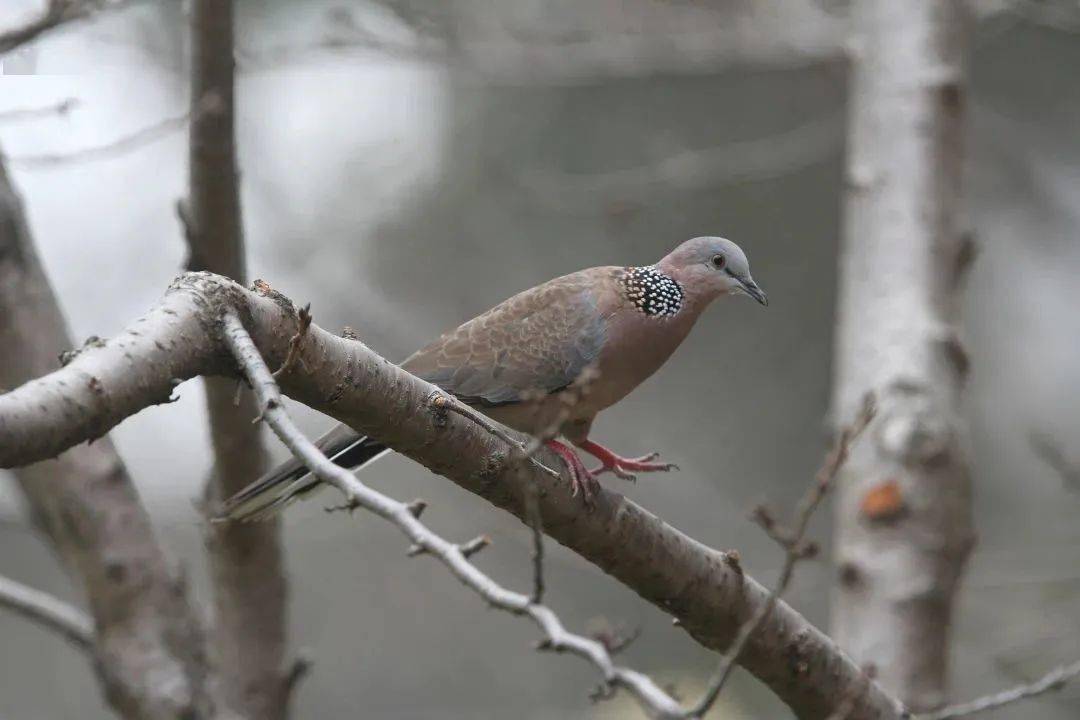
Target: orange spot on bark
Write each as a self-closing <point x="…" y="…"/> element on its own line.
<point x="884" y="501"/>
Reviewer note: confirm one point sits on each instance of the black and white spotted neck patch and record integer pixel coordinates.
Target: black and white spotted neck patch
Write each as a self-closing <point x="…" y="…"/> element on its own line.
<point x="651" y="291"/>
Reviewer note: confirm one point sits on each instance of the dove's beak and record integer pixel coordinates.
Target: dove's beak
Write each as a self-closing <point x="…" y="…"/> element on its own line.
<point x="751" y="288"/>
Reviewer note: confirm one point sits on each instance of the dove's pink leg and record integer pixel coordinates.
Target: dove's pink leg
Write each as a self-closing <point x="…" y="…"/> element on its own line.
<point x="580" y="478"/>
<point x="623" y="467"/>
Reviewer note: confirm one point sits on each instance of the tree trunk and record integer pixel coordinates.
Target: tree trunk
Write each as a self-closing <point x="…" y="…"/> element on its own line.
<point x="903" y="524"/>
<point x="246" y="563"/>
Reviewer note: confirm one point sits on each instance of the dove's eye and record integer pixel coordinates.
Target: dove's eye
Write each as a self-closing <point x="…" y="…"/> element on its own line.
<point x="718" y="262"/>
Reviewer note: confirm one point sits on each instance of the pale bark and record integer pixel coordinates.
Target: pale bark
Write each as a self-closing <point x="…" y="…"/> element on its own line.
<point x="148" y="645"/>
<point x="246" y="564"/>
<point x="704" y="589"/>
<point x="903" y="520"/>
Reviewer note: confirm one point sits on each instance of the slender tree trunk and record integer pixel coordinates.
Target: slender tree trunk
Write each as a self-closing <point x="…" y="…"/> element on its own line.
<point x="148" y="645"/>
<point x="245" y="559"/>
<point x="903" y="524"/>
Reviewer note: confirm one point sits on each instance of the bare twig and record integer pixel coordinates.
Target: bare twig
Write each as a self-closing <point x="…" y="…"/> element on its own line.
<point x="615" y="640"/>
<point x="1050" y="451"/>
<point x="791" y="540"/>
<point x="453" y="556"/>
<point x="51" y="612"/>
<point x="441" y="402"/>
<point x="126" y="143"/>
<point x="299" y="670"/>
<point x="33" y="113"/>
<point x="56" y="14"/>
<point x="536" y="525"/>
<point x="522" y="452"/>
<point x="303" y="321"/>
<point x="568" y="399"/>
<point x="1050" y="682"/>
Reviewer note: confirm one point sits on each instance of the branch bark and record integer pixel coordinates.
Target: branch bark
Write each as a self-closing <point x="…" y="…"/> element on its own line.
<point x="148" y="646"/>
<point x="705" y="590"/>
<point x="246" y="563"/>
<point x="903" y="523"/>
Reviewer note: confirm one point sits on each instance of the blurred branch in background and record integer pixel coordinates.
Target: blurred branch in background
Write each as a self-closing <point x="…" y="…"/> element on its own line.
<point x="48" y="611"/>
<point x="903" y="520"/>
<point x="707" y="591"/>
<point x="1052" y="681"/>
<point x="508" y="43"/>
<point x="57" y="13"/>
<point x="513" y="43"/>
<point x="123" y="144"/>
<point x="1053" y="455"/>
<point x="246" y="563"/>
<point x="1058" y="14"/>
<point x="148" y="647"/>
<point x="750" y="160"/>
<point x="61" y="108"/>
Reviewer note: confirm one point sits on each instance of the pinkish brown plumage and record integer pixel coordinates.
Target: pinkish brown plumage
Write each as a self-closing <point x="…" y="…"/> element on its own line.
<point x="623" y="321"/>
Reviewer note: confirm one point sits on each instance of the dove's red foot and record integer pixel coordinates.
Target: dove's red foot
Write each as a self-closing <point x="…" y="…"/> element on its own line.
<point x="581" y="480"/>
<point x="624" y="467"/>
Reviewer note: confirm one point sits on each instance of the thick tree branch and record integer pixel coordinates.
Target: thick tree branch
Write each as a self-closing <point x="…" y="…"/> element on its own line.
<point x="50" y="612"/>
<point x="149" y="647"/>
<point x="246" y="563"/>
<point x="182" y="337"/>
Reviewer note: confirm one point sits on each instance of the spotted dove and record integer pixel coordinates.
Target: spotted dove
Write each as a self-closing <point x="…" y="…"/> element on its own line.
<point x="512" y="361"/>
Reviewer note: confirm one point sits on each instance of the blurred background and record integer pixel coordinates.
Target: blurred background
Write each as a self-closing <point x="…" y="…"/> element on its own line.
<point x="406" y="165"/>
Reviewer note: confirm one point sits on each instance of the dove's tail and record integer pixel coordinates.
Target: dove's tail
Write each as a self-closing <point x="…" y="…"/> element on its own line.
<point x="270" y="494"/>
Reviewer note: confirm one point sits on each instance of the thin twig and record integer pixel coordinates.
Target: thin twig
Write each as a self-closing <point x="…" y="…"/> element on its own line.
<point x="56" y="14"/>
<point x="656" y="702"/>
<point x="34" y="113"/>
<point x="568" y="400"/>
<point x="794" y="551"/>
<point x="303" y="322"/>
<point x="1050" y="682"/>
<point x="442" y="402"/>
<point x="119" y="146"/>
<point x="1050" y="451"/>
<point x="300" y="669"/>
<point x="615" y="641"/>
<point x="536" y="525"/>
<point x="51" y="612"/>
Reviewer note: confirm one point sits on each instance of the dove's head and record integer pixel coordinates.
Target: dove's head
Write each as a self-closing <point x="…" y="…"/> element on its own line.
<point x="708" y="267"/>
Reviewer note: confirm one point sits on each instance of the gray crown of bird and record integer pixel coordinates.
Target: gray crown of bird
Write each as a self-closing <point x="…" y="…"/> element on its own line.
<point x="512" y="361"/>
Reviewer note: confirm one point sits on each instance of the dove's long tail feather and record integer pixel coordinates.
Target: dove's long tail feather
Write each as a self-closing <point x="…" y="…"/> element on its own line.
<point x="291" y="480"/>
